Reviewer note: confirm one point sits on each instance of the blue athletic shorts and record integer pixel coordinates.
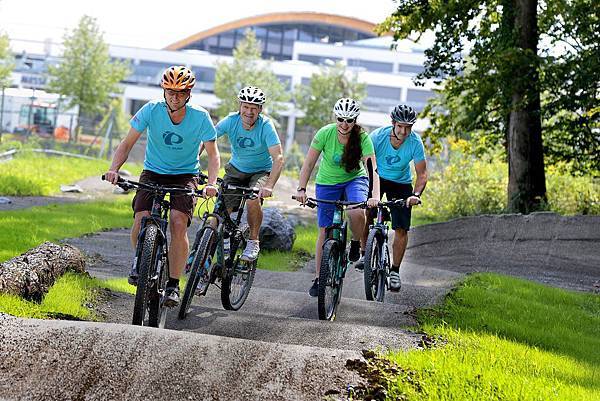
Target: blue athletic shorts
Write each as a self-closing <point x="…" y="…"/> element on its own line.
<point x="356" y="190"/>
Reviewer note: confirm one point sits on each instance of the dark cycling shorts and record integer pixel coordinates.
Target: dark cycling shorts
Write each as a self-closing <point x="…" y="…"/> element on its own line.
<point x="393" y="190"/>
<point x="142" y="201"/>
<point x="238" y="178"/>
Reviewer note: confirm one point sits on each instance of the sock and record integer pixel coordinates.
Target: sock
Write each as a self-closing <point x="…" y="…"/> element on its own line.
<point x="395" y="269"/>
<point x="173" y="282"/>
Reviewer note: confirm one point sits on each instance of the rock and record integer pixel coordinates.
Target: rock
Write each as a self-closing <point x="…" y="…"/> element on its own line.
<point x="71" y="188"/>
<point x="31" y="274"/>
<point x="276" y="231"/>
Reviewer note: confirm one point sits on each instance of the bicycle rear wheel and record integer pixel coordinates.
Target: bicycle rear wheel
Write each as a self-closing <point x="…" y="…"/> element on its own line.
<point x="238" y="278"/>
<point x="329" y="287"/>
<point x="146" y="263"/>
<point x="198" y="278"/>
<point x="374" y="271"/>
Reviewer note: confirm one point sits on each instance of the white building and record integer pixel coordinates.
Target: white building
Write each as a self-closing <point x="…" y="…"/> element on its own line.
<point x="299" y="43"/>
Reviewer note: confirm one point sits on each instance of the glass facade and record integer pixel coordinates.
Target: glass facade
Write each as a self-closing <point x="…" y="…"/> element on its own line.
<point x="375" y="66"/>
<point x="417" y="99"/>
<point x="277" y="39"/>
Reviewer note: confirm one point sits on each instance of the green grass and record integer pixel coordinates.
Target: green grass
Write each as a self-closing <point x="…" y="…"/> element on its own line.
<point x="33" y="174"/>
<point x="503" y="338"/>
<point x="120" y="285"/>
<point x="21" y="230"/>
<point x="70" y="297"/>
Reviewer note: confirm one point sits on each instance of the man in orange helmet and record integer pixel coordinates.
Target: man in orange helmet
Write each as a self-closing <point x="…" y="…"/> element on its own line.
<point x="176" y="130"/>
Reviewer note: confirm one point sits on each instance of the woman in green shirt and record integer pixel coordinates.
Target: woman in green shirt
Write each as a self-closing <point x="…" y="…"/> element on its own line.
<point x="341" y="175"/>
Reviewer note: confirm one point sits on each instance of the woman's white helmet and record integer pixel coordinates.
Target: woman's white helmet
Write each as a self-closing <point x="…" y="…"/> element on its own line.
<point x="252" y="94"/>
<point x="346" y="108"/>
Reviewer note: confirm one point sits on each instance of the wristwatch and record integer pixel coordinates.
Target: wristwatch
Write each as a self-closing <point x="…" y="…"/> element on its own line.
<point x="300" y="189"/>
<point x="418" y="195"/>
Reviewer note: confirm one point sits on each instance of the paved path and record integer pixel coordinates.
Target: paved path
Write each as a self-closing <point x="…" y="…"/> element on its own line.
<point x="275" y="348"/>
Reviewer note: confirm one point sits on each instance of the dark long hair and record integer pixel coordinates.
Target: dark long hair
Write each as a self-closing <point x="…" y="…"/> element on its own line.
<point x="352" y="150"/>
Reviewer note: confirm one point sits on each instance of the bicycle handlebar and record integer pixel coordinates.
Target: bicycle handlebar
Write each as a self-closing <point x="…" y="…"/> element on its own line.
<point x="363" y="205"/>
<point x="128" y="184"/>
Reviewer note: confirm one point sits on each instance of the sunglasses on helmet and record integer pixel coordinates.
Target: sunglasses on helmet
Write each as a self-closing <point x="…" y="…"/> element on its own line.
<point x="347" y="120"/>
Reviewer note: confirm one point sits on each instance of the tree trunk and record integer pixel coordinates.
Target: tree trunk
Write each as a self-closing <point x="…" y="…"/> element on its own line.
<point x="33" y="273"/>
<point x="526" y="178"/>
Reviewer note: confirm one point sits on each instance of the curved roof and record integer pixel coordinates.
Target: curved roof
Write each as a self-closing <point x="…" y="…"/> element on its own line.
<point x="289" y="17"/>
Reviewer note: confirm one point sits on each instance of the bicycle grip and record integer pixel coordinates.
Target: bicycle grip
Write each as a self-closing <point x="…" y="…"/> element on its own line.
<point x="119" y="180"/>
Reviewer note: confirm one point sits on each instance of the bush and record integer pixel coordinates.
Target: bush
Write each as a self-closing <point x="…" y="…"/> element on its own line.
<point x="473" y="186"/>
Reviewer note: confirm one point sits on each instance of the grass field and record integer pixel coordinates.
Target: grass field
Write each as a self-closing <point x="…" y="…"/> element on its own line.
<point x="502" y="338"/>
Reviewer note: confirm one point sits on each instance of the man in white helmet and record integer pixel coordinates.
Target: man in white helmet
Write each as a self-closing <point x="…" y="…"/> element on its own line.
<point x="256" y="158"/>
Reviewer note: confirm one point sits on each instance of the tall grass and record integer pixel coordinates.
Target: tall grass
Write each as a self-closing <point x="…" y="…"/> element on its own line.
<point x="470" y="186"/>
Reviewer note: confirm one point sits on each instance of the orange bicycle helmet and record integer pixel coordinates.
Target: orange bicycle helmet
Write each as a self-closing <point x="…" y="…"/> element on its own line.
<point x="178" y="77"/>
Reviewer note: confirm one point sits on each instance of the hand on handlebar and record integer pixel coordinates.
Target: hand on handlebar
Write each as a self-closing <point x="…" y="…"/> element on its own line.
<point x="209" y="191"/>
<point x="413" y="200"/>
<point x="111" y="176"/>
<point x="372" y="202"/>
<point x="265" y="192"/>
<point x="301" y="197"/>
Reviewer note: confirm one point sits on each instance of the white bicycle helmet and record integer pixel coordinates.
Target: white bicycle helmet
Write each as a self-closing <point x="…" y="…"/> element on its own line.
<point x="252" y="94"/>
<point x="346" y="108"/>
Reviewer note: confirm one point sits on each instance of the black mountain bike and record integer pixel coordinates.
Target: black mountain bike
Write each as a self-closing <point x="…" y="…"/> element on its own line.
<point x="334" y="259"/>
<point x="236" y="276"/>
<point x="152" y="254"/>
<point x="377" y="254"/>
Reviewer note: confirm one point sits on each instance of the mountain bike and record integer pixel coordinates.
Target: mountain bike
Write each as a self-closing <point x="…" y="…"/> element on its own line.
<point x="377" y="254"/>
<point x="334" y="259"/>
<point x="216" y="228"/>
<point x="152" y="254"/>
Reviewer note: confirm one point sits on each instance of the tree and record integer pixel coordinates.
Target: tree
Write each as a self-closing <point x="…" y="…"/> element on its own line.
<point x="496" y="80"/>
<point x="247" y="68"/>
<point x="6" y="61"/>
<point x="326" y="87"/>
<point x="86" y="76"/>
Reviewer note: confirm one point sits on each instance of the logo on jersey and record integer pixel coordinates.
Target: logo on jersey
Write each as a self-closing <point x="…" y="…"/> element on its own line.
<point x="337" y="159"/>
<point x="245" y="143"/>
<point x="172" y="138"/>
<point x="392" y="160"/>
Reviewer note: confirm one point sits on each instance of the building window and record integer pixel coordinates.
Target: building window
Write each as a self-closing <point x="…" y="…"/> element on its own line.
<point x="418" y="98"/>
<point x="410" y="69"/>
<point x="286" y="80"/>
<point x="376" y="66"/>
<point x="383" y="92"/>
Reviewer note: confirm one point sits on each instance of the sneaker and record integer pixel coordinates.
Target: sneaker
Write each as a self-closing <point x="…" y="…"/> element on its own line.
<point x="360" y="265"/>
<point x="314" y="288"/>
<point x="251" y="252"/>
<point x="171" y="297"/>
<point x="354" y="251"/>
<point x="133" y="274"/>
<point x="395" y="283"/>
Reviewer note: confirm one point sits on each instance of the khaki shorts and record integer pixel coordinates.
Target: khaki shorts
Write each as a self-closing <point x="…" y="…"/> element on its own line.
<point x="142" y="200"/>
<point x="234" y="176"/>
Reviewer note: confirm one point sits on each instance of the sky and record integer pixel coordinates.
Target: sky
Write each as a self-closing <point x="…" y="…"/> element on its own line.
<point x="156" y="24"/>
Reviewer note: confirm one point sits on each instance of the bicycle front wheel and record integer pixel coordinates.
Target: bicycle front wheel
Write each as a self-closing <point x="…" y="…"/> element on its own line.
<point x="146" y="263"/>
<point x="237" y="278"/>
<point x="198" y="279"/>
<point x="329" y="284"/>
<point x="374" y="271"/>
